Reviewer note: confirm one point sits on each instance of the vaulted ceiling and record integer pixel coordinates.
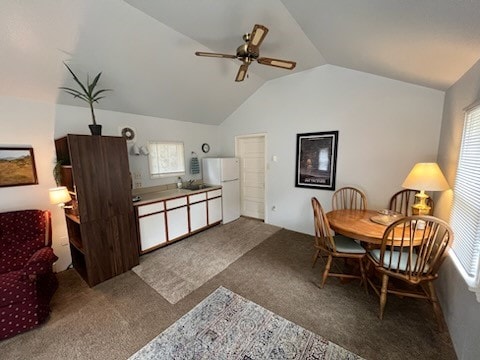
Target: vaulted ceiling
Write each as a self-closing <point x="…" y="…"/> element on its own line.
<point x="145" y="48"/>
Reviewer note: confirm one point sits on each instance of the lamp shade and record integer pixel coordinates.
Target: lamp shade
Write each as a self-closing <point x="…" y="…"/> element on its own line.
<point x="426" y="177"/>
<point x="59" y="195"/>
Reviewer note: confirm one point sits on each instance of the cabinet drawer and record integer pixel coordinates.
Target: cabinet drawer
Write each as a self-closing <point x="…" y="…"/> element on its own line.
<point x="214" y="193"/>
<point x="174" y="203"/>
<point x="151" y="208"/>
<point x="197" y="197"/>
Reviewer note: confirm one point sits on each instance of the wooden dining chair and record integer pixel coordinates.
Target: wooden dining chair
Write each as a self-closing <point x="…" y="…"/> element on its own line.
<point x="349" y="198"/>
<point x="403" y="200"/>
<point x="412" y="250"/>
<point x="337" y="246"/>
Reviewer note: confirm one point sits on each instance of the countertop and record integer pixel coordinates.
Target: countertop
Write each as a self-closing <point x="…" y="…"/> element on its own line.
<point x="152" y="197"/>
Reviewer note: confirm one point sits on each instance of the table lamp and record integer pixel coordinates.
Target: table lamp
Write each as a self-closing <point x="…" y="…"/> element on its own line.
<point x="59" y="196"/>
<point x="425" y="177"/>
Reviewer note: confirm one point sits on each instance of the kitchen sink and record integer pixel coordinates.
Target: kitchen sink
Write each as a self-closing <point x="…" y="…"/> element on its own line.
<point x="197" y="187"/>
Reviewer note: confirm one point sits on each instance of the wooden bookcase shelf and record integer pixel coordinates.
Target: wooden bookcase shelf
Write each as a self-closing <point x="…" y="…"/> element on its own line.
<point x="101" y="225"/>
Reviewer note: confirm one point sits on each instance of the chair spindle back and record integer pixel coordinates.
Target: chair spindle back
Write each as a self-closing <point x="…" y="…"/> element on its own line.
<point x="403" y="200"/>
<point x="419" y="244"/>
<point x="323" y="233"/>
<point x="349" y="198"/>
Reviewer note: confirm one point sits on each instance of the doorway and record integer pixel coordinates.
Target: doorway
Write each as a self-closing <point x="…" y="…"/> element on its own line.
<point x="250" y="149"/>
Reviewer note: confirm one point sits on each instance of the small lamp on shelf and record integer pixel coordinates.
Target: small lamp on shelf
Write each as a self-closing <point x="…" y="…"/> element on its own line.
<point x="59" y="196"/>
<point x="425" y="177"/>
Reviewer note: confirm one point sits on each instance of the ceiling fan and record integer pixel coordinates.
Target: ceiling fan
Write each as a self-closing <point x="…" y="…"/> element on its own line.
<point x="250" y="51"/>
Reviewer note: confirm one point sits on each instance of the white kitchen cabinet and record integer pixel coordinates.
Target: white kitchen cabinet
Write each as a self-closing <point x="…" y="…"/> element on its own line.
<point x="198" y="211"/>
<point x="214" y="210"/>
<point x="169" y="219"/>
<point x="177" y="223"/>
<point x="152" y="231"/>
<point x="198" y="216"/>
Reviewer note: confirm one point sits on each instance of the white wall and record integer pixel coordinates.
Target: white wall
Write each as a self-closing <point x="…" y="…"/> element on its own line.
<point x="460" y="307"/>
<point x="75" y="120"/>
<point x="30" y="123"/>
<point x="385" y="127"/>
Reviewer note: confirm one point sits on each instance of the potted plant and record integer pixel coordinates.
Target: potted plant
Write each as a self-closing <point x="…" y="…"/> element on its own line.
<point x="89" y="95"/>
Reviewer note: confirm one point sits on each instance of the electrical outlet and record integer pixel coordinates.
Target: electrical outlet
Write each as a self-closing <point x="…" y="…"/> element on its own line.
<point x="137" y="176"/>
<point x="138" y="184"/>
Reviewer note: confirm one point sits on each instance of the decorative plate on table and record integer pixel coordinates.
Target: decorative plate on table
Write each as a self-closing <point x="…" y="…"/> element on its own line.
<point x="386" y="217"/>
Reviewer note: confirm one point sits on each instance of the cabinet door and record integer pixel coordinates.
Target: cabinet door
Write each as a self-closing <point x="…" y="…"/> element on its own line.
<point x="214" y="210"/>
<point x="177" y="221"/>
<point x="198" y="216"/>
<point x="152" y="231"/>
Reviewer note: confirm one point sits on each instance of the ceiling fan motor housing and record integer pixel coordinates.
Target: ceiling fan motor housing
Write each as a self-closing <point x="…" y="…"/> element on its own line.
<point x="245" y="52"/>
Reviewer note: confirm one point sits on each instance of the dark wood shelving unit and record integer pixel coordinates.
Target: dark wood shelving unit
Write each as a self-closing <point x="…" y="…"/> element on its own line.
<point x="101" y="225"/>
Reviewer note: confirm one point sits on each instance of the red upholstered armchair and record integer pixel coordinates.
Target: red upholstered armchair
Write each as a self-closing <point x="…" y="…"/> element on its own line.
<point x="27" y="282"/>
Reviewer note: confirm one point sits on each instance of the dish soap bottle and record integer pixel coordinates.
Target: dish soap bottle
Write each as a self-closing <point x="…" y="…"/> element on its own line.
<point x="179" y="183"/>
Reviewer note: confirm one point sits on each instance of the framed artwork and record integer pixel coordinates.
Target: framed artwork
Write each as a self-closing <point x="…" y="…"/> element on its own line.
<point x="17" y="167"/>
<point x="316" y="160"/>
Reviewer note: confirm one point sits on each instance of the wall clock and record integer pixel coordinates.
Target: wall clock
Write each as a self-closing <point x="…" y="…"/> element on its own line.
<point x="128" y="133"/>
<point x="205" y="148"/>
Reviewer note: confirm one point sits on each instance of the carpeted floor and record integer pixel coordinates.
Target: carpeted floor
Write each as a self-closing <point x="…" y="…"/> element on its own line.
<point x="227" y="326"/>
<point x="187" y="265"/>
<point x="118" y="317"/>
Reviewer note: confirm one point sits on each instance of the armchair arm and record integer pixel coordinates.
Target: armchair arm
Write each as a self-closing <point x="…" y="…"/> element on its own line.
<point x="40" y="263"/>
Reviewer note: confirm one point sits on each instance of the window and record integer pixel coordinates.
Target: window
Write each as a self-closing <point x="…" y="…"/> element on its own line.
<point x="465" y="216"/>
<point x="166" y="159"/>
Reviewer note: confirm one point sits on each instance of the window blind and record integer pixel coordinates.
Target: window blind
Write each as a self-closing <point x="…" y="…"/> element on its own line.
<point x="166" y="159"/>
<point x="465" y="215"/>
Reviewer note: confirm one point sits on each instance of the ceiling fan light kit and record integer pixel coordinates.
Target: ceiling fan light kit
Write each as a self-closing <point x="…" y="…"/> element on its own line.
<point x="250" y="51"/>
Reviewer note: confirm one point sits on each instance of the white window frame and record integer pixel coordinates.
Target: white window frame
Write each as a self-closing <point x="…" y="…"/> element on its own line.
<point x="465" y="214"/>
<point x="177" y="162"/>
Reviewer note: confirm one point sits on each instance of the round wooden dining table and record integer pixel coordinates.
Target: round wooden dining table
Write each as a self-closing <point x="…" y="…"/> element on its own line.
<point x="357" y="224"/>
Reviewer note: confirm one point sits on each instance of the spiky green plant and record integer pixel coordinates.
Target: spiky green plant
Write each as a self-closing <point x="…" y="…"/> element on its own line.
<point x="87" y="93"/>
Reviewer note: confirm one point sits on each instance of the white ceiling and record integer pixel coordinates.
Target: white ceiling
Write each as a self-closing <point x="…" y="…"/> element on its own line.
<point x="145" y="48"/>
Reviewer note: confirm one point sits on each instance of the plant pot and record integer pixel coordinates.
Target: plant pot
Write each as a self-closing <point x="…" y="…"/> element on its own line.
<point x="95" y="129"/>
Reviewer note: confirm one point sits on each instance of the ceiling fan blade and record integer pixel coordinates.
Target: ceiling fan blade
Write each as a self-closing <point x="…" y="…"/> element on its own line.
<point x="284" y="64"/>
<point x="208" y="54"/>
<point x="242" y="72"/>
<point x="258" y="35"/>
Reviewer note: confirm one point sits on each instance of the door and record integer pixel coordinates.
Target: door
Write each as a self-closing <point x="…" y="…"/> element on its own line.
<point x="230" y="169"/>
<point x="198" y="216"/>
<point x="214" y="210"/>
<point x="250" y="150"/>
<point x="230" y="200"/>
<point x="211" y="170"/>
<point x="177" y="217"/>
<point x="152" y="231"/>
<point x="177" y="223"/>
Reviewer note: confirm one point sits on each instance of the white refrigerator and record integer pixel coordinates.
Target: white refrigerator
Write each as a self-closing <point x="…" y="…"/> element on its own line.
<point x="225" y="172"/>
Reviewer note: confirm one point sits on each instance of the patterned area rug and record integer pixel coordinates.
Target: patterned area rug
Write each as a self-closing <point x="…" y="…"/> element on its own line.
<point x="227" y="326"/>
<point x="180" y="268"/>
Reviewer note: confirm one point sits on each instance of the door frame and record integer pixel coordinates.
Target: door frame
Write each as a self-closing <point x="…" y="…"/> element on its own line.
<point x="238" y="138"/>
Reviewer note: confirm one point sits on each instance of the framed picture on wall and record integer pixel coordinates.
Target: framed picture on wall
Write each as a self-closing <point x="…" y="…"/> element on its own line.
<point x="17" y="167"/>
<point x="316" y="160"/>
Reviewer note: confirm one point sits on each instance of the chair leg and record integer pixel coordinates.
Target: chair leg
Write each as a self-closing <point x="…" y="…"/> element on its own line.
<point x="364" y="276"/>
<point x="383" y="295"/>
<point x="327" y="270"/>
<point x="436" y="306"/>
<point x="315" y="258"/>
